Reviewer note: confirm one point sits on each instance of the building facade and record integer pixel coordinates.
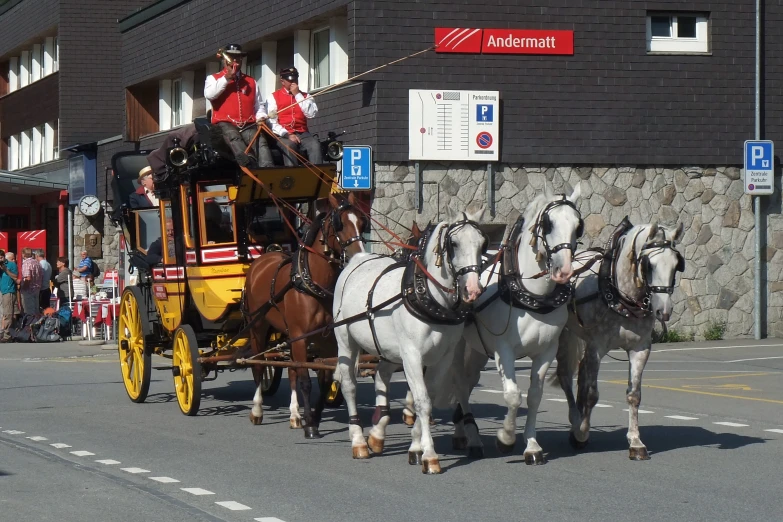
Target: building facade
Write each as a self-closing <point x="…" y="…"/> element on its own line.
<point x="648" y="112"/>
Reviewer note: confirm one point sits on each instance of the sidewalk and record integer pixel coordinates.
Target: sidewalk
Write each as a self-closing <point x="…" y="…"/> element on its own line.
<point x="19" y="351"/>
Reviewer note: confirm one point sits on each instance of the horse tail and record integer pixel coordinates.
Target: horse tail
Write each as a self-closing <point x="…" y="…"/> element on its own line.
<point x="570" y="351"/>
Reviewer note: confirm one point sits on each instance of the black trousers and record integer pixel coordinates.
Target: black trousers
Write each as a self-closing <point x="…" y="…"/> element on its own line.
<point x="238" y="141"/>
<point x="45" y="295"/>
<point x="309" y="143"/>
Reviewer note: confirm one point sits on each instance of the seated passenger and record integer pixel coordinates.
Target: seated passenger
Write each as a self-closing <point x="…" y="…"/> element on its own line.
<point x="216" y="230"/>
<point x="155" y="251"/>
<point x="144" y="197"/>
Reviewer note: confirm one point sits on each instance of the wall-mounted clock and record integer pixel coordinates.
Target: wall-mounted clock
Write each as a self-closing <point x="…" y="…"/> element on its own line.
<point x="89" y="205"/>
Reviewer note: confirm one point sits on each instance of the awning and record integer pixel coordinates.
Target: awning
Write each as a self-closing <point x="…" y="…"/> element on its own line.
<point x="28" y="185"/>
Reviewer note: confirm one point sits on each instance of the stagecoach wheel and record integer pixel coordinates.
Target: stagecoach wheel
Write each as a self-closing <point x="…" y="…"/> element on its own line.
<point x="187" y="370"/>
<point x="269" y="377"/>
<point x="135" y="361"/>
<point x="334" y="395"/>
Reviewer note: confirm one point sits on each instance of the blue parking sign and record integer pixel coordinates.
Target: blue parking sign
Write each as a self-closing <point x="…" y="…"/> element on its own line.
<point x="484" y="113"/>
<point x="759" y="167"/>
<point x="356" y="168"/>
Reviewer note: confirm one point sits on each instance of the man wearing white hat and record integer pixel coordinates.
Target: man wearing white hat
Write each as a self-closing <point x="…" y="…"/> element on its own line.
<point x="144" y="197"/>
<point x="238" y="108"/>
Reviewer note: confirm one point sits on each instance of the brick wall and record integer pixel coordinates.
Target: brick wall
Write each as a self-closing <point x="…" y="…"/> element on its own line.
<point x="26" y="21"/>
<point x="34" y="105"/>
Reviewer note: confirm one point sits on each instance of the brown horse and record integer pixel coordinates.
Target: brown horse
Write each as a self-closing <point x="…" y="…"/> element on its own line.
<point x="301" y="287"/>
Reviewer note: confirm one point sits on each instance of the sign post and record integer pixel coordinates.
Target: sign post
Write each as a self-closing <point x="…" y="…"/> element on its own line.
<point x="356" y="168"/>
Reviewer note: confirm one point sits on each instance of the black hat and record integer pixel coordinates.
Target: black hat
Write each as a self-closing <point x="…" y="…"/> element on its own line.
<point x="290" y="74"/>
<point x="234" y="49"/>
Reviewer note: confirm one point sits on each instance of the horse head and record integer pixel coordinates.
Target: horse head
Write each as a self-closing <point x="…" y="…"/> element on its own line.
<point x="656" y="264"/>
<point x="556" y="226"/>
<point x="464" y="243"/>
<point x="344" y="226"/>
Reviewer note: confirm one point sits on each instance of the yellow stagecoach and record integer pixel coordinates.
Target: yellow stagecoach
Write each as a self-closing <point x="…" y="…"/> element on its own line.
<point x="184" y="294"/>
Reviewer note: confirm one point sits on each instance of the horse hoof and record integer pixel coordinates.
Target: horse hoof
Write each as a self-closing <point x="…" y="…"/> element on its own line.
<point x="459" y="443"/>
<point x="409" y="420"/>
<point x="503" y="447"/>
<point x="414" y="458"/>
<point x="576" y="443"/>
<point x="430" y="467"/>
<point x="536" y="457"/>
<point x="296" y="424"/>
<point x="361" y="452"/>
<point x="311" y="432"/>
<point x="475" y="452"/>
<point x="638" y="453"/>
<point x="376" y="445"/>
<point x="255" y="421"/>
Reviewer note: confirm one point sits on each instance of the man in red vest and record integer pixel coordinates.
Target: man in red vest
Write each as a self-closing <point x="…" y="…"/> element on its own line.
<point x="293" y="108"/>
<point x="237" y="108"/>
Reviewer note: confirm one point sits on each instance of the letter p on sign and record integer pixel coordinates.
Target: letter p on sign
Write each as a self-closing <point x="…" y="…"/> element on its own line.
<point x="757" y="153"/>
<point x="356" y="155"/>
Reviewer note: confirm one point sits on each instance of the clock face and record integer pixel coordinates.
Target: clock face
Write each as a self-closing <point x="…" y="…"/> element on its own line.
<point x="89" y="205"/>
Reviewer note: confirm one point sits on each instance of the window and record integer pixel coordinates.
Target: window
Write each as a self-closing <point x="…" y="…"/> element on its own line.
<point x="33" y="64"/>
<point x="677" y="33"/>
<point x="14" y="152"/>
<point x="176" y="102"/>
<point x="320" y="59"/>
<point x="38" y="145"/>
<point x="217" y="215"/>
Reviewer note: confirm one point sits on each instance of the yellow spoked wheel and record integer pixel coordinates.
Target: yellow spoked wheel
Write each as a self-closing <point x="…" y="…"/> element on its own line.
<point x="134" y="357"/>
<point x="187" y="370"/>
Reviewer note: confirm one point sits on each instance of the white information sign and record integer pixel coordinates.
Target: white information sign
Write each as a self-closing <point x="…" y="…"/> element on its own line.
<point x="454" y="125"/>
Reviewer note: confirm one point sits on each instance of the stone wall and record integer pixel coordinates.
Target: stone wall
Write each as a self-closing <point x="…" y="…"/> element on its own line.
<point x="100" y="224"/>
<point x="718" y="244"/>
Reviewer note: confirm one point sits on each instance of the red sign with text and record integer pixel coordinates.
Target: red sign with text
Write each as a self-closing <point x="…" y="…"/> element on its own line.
<point x="4" y="241"/>
<point x="33" y="239"/>
<point x="503" y="41"/>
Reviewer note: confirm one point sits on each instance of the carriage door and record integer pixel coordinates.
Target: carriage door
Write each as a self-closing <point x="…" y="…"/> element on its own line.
<point x="169" y="290"/>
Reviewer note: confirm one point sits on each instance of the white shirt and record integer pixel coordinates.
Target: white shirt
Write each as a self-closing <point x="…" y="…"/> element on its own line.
<point x="214" y="88"/>
<point x="308" y="106"/>
<point x="151" y="195"/>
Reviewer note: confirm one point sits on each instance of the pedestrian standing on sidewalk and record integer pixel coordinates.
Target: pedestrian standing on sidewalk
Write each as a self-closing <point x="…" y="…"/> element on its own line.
<point x="46" y="279"/>
<point x="9" y="273"/>
<point x="31" y="282"/>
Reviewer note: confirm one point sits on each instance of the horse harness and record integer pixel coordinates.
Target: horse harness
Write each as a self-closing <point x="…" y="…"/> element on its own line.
<point x="608" y="288"/>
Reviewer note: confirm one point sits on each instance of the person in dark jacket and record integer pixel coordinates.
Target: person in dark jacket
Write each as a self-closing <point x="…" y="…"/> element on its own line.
<point x="144" y="197"/>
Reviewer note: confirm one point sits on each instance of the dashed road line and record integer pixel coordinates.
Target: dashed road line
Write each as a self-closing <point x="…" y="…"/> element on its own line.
<point x="732" y="424"/>
<point x="774" y="430"/>
<point x="268" y="519"/>
<point x="13" y="432"/>
<point x="557" y="400"/>
<point x="108" y="462"/>
<point x="641" y="411"/>
<point x="487" y="390"/>
<point x="38" y="438"/>
<point x="82" y="453"/>
<point x="233" y="506"/>
<point x="680" y="417"/>
<point x="59" y="445"/>
<point x="135" y="470"/>
<point x="164" y="480"/>
<point x="197" y="491"/>
<point x="604" y="406"/>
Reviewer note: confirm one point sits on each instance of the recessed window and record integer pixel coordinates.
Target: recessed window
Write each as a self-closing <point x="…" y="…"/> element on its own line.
<point x="677" y="33"/>
<point x="320" y="58"/>
<point x="176" y="102"/>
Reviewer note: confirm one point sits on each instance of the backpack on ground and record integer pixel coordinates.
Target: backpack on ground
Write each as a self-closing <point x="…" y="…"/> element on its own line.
<point x="48" y="330"/>
<point x="23" y="330"/>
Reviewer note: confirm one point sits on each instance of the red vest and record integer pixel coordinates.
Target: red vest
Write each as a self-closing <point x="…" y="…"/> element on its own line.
<point x="237" y="103"/>
<point x="292" y="118"/>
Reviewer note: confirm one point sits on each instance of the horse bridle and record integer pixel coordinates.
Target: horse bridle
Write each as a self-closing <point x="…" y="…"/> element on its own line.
<point x="447" y="233"/>
<point x="543" y="226"/>
<point x="336" y="224"/>
<point x="643" y="261"/>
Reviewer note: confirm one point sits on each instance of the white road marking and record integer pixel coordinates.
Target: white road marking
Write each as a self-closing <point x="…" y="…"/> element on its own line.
<point x="755" y="359"/>
<point x="680" y="417"/>
<point x="234" y="506"/>
<point x="165" y="480"/>
<point x="775" y="431"/>
<point x="59" y="445"/>
<point x="135" y="470"/>
<point x="197" y="491"/>
<point x="604" y="406"/>
<point x="558" y="400"/>
<point x="715" y="347"/>
<point x="108" y="462"/>
<point x="37" y="438"/>
<point x="487" y="390"/>
<point x="268" y="519"/>
<point x="13" y="432"/>
<point x="641" y="411"/>
<point x="732" y="424"/>
<point x="81" y="453"/>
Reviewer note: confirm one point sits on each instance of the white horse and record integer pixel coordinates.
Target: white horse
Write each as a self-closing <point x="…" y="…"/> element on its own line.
<point x="639" y="286"/>
<point x="545" y="247"/>
<point x="451" y="256"/>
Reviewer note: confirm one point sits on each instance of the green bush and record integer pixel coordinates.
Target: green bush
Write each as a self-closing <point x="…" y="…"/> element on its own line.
<point x="715" y="331"/>
<point x="672" y="335"/>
